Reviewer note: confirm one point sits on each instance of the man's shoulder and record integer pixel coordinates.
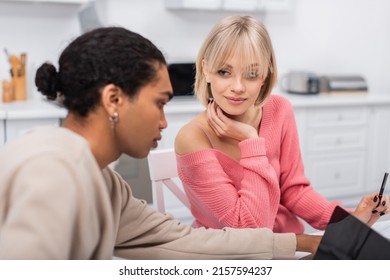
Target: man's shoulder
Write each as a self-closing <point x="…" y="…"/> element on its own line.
<point x="44" y="141"/>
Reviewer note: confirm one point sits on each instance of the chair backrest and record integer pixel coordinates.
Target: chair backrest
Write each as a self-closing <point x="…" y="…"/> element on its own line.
<point x="162" y="169"/>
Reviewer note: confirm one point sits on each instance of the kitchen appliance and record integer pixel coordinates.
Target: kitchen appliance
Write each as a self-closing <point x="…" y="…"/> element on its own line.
<point x="300" y="82"/>
<point x="182" y="76"/>
<point x="343" y="84"/>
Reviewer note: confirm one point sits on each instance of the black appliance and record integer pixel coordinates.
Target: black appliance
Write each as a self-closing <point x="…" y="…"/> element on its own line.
<point x="182" y="76"/>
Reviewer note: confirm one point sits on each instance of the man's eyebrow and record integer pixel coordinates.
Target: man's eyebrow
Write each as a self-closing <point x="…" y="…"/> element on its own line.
<point x="168" y="94"/>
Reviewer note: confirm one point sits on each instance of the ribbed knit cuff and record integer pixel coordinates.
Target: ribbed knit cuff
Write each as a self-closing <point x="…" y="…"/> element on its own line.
<point x="252" y="147"/>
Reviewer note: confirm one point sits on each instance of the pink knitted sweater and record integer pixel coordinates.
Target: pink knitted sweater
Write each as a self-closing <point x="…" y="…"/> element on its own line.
<point x="267" y="187"/>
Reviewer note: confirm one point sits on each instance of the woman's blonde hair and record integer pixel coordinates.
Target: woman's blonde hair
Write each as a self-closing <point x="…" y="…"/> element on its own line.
<point x="237" y="35"/>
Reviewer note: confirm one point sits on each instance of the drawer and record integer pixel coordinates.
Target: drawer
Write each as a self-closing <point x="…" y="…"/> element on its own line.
<point x="337" y="138"/>
<point x="340" y="116"/>
<point x="337" y="175"/>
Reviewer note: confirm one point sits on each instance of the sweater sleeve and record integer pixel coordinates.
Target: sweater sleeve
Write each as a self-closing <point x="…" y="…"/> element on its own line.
<point x="145" y="233"/>
<point x="227" y="193"/>
<point x="297" y="194"/>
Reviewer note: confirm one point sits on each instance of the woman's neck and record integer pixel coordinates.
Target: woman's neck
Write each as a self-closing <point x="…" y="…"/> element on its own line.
<point x="252" y="117"/>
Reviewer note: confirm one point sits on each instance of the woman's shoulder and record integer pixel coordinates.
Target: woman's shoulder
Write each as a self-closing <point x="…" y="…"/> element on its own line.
<point x="193" y="136"/>
<point x="279" y="100"/>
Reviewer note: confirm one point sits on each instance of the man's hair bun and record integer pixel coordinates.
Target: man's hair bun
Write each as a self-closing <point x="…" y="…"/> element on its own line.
<point x="46" y="80"/>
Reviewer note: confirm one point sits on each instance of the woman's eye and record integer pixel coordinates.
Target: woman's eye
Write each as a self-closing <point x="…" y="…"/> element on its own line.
<point x="223" y="73"/>
<point x="252" y="75"/>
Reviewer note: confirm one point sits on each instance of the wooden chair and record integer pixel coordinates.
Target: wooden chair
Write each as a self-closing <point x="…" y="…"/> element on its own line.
<point x="163" y="169"/>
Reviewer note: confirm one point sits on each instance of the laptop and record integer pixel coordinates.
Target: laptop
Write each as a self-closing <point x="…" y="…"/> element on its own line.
<point x="347" y="238"/>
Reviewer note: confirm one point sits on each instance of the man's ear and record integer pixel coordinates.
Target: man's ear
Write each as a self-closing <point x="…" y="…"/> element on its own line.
<point x="112" y="98"/>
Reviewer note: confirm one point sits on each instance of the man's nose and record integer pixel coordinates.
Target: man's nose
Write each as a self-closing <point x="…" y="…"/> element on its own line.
<point x="163" y="121"/>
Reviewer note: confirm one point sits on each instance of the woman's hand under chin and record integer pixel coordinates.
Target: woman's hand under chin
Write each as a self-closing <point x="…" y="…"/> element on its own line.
<point x="224" y="126"/>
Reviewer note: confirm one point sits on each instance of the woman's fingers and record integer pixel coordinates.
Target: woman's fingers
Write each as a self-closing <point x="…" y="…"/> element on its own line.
<point x="382" y="207"/>
<point x="213" y="119"/>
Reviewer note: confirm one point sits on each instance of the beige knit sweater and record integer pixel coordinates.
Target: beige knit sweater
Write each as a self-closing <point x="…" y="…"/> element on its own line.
<point x="56" y="203"/>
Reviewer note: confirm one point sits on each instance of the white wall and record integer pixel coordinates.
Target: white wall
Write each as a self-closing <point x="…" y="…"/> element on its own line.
<point x="325" y="36"/>
<point x="40" y="30"/>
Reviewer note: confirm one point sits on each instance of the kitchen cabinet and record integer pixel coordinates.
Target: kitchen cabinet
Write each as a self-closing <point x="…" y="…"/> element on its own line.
<point x="379" y="148"/>
<point x="19" y="117"/>
<point x="192" y="4"/>
<point x="49" y="1"/>
<point x="230" y="5"/>
<point x="344" y="142"/>
<point x="335" y="148"/>
<point x="2" y="130"/>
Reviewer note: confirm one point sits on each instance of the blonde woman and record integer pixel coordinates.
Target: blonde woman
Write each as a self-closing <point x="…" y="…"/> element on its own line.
<point x="240" y="160"/>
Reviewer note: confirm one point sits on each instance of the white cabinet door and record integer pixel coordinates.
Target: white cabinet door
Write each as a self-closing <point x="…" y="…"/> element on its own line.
<point x="193" y="4"/>
<point x="379" y="148"/>
<point x="335" y="150"/>
<point x="17" y="127"/>
<point x="22" y="116"/>
<point x="2" y="132"/>
<point x="336" y="175"/>
<point x="337" y="138"/>
<point x="230" y="5"/>
<point x="2" y="126"/>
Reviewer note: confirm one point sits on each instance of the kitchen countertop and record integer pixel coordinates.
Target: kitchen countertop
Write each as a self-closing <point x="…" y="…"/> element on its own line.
<point x="39" y="108"/>
<point x="183" y="104"/>
<point x="323" y="99"/>
<point x="31" y="109"/>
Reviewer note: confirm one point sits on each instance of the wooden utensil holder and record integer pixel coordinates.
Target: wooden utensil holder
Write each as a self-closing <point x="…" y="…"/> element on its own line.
<point x="7" y="91"/>
<point x="19" y="87"/>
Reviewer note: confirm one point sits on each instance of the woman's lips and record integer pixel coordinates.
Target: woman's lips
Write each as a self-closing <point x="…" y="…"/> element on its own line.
<point x="235" y="100"/>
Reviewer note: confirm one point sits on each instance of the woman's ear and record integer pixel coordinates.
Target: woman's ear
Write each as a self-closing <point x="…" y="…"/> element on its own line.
<point x="205" y="72"/>
<point x="112" y="98"/>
